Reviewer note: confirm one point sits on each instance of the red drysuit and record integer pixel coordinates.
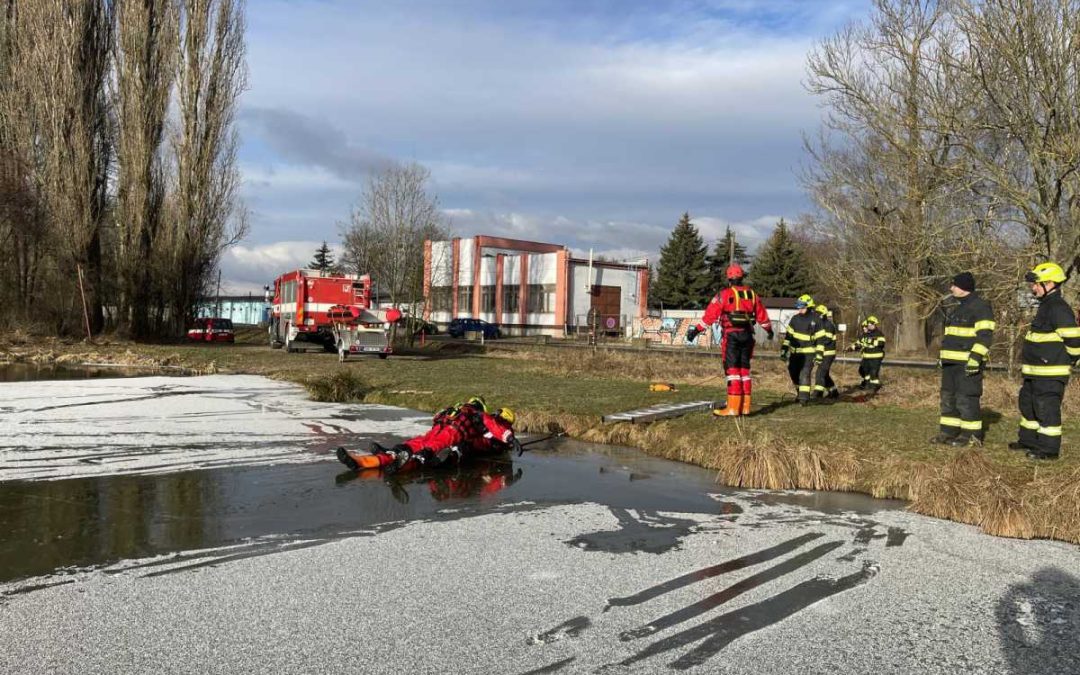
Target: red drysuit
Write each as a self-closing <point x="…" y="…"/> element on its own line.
<point x="737" y="308"/>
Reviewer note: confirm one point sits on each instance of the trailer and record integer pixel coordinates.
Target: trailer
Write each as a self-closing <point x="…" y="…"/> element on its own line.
<point x="360" y="331"/>
<point x="311" y="307"/>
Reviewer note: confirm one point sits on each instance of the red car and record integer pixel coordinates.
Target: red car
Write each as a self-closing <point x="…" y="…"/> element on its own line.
<point x="212" y="330"/>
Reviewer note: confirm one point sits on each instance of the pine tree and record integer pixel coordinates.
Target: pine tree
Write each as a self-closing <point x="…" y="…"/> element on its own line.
<point x="721" y="258"/>
<point x="323" y="260"/>
<point x="780" y="267"/>
<point x="682" y="277"/>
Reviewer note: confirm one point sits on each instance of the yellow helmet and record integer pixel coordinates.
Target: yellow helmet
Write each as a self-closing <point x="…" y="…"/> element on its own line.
<point x="507" y="414"/>
<point x="822" y="310"/>
<point x="871" y="319"/>
<point x="806" y="299"/>
<point x="1046" y="271"/>
<point x="477" y="402"/>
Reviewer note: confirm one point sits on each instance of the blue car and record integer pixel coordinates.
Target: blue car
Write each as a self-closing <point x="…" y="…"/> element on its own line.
<point x="458" y="328"/>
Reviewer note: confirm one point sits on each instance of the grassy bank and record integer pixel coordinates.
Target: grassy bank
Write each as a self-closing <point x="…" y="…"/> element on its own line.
<point x="878" y="446"/>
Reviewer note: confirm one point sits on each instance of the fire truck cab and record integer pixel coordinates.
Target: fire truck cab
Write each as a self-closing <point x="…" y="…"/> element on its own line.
<point x="316" y="307"/>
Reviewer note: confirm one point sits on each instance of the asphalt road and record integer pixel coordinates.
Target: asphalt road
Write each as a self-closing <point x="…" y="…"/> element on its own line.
<point x="571" y="559"/>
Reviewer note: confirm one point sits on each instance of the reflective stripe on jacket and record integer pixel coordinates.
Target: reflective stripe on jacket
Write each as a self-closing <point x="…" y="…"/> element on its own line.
<point x="1052" y="344"/>
<point x="969" y="331"/>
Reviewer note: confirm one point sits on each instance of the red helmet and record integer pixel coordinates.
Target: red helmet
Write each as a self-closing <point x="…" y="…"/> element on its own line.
<point x="734" y="271"/>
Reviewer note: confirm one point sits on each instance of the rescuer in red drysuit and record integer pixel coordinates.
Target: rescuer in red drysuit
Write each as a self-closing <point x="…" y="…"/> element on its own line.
<point x="465" y="428"/>
<point x="737" y="308"/>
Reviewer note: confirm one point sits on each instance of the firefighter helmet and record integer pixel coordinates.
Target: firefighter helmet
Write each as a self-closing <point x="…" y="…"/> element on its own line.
<point x="507" y="414"/>
<point x="822" y="310"/>
<point x="735" y="271"/>
<point x="478" y="402"/>
<point x="870" y="320"/>
<point x="804" y="300"/>
<point x="1046" y="271"/>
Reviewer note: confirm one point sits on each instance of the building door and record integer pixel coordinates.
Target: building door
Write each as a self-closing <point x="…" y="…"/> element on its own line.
<point x="606" y="308"/>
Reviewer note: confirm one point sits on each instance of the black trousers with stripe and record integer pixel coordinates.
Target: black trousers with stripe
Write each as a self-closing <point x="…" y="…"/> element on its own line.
<point x="800" y="368"/>
<point x="960" y="394"/>
<point x="1040" y="414"/>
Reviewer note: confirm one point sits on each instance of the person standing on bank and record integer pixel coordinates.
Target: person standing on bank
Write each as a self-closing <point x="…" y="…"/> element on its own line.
<point x="1051" y="350"/>
<point x="800" y="346"/>
<point x="969" y="331"/>
<point x="824" y="387"/>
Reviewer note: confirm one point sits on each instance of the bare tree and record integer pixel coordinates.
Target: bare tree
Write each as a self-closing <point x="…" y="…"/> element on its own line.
<point x="1023" y="140"/>
<point x="207" y="218"/>
<point x="59" y="59"/>
<point x="386" y="233"/>
<point x="144" y="55"/>
<point x="883" y="172"/>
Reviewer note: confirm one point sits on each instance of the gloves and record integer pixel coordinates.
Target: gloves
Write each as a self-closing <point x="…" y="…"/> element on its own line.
<point x="516" y="445"/>
<point x="769" y="334"/>
<point x="692" y="332"/>
<point x="972" y="368"/>
<point x="784" y="354"/>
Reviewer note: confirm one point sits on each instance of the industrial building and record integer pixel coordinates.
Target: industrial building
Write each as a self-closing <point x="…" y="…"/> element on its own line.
<point x="530" y="288"/>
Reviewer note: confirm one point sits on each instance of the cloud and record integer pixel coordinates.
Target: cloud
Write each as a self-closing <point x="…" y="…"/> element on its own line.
<point x="246" y="269"/>
<point x="593" y="123"/>
<point x="306" y="141"/>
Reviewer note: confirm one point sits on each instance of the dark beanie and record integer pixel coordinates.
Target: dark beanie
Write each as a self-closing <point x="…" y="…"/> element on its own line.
<point x="965" y="281"/>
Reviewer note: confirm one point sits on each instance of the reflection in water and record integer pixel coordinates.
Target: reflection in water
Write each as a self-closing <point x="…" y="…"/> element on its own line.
<point x="481" y="477"/>
<point x="82" y="522"/>
<point x="32" y="372"/>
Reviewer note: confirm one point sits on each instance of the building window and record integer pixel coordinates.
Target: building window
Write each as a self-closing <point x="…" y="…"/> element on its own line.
<point x="464" y="300"/>
<point x="487" y="299"/>
<point x="541" y="298"/>
<point x="442" y="298"/>
<point x="511" y="294"/>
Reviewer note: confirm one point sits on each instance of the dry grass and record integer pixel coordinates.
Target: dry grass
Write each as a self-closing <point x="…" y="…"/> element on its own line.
<point x="342" y="386"/>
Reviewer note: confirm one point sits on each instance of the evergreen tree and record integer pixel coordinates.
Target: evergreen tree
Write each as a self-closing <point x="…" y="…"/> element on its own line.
<point x="682" y="277"/>
<point x="780" y="267"/>
<point x="721" y="258"/>
<point x="323" y="260"/>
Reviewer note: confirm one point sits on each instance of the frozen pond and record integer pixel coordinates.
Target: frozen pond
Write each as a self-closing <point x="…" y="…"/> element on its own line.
<point x="202" y="525"/>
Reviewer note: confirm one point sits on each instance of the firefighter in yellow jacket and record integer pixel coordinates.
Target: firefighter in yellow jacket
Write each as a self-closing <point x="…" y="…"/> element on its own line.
<point x="872" y="345"/>
<point x="1051" y="350"/>
<point x="969" y="330"/>
<point x="800" y="346"/>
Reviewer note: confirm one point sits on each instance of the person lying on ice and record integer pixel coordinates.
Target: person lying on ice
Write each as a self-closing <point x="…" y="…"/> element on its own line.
<point x="464" y="429"/>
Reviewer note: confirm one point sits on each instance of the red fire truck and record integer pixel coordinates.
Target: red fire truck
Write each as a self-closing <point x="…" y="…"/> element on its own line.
<point x="333" y="311"/>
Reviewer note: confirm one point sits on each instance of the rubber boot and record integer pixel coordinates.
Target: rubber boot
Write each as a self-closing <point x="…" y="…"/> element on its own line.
<point x="745" y="410"/>
<point x="733" y="406"/>
<point x="348" y="461"/>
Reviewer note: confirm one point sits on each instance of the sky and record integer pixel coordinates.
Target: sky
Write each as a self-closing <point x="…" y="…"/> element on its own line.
<point x="589" y="123"/>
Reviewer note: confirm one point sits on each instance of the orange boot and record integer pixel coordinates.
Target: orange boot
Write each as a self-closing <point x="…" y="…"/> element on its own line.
<point x="734" y="406"/>
<point x="745" y="409"/>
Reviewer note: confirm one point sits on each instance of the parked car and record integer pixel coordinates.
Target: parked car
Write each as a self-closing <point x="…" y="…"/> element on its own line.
<point x="212" y="330"/>
<point x="458" y="328"/>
